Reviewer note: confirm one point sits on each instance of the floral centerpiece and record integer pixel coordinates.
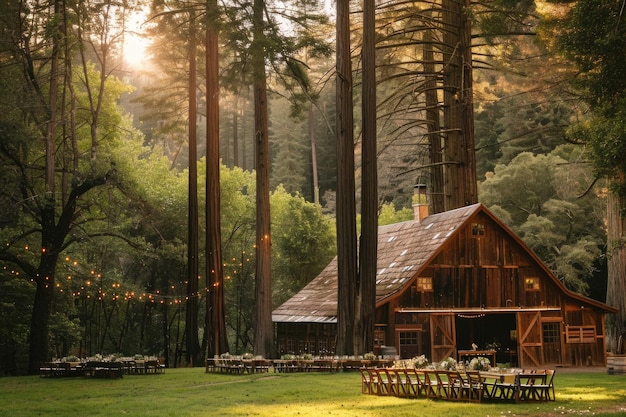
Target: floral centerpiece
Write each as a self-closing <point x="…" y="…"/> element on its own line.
<point x="448" y="364"/>
<point x="479" y="363"/>
<point x="420" y="362"/>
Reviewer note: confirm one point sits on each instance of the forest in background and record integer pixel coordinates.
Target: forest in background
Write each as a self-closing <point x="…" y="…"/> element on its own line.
<point x="113" y="198"/>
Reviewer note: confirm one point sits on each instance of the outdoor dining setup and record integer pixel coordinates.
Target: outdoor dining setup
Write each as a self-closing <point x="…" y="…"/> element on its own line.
<point x="463" y="384"/>
<point x="102" y="367"/>
<point x="235" y="364"/>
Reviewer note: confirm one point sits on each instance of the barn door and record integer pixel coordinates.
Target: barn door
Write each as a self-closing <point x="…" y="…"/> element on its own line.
<point x="442" y="336"/>
<point x="529" y="339"/>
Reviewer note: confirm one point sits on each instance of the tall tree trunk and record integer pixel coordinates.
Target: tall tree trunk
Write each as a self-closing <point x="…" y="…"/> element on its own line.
<point x="346" y="206"/>
<point x="316" y="183"/>
<point x="460" y="165"/>
<point x="215" y="315"/>
<point x="434" y="126"/>
<point x="366" y="287"/>
<point x="45" y="276"/>
<point x="616" y="286"/>
<point x="191" y="322"/>
<point x="264" y="333"/>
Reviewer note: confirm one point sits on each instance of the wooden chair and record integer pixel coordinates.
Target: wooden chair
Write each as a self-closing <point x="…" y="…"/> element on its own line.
<point x="476" y="386"/>
<point x="527" y="386"/>
<point x="431" y="384"/>
<point x="396" y="381"/>
<point x="418" y="379"/>
<point x="501" y="389"/>
<point x="411" y="383"/>
<point x="546" y="390"/>
<point x="367" y="385"/>
<point x="454" y="385"/>
<point x="378" y="386"/>
<point x="386" y="384"/>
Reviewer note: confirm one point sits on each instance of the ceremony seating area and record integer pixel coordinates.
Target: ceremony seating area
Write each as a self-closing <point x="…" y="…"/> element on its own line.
<point x="453" y="385"/>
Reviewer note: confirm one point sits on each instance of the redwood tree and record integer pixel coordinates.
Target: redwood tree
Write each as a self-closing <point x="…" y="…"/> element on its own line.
<point x="216" y="319"/>
<point x="264" y="331"/>
<point x="366" y="282"/>
<point x="346" y="207"/>
<point x="191" y="322"/>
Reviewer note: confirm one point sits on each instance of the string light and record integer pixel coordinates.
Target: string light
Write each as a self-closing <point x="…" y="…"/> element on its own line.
<point x="153" y="297"/>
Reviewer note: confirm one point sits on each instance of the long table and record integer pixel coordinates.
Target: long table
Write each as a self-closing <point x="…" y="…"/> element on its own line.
<point x="240" y="365"/>
<point x="101" y="369"/>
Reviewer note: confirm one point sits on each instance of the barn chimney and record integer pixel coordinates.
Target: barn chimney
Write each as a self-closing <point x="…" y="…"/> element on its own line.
<point x="420" y="202"/>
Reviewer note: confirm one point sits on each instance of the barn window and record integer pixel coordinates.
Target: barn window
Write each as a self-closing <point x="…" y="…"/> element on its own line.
<point x="424" y="284"/>
<point x="478" y="229"/>
<point x="551" y="333"/>
<point x="531" y="284"/>
<point x="408" y="338"/>
<point x="379" y="337"/>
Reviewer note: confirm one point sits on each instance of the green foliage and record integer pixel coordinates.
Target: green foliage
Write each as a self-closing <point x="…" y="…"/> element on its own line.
<point x="594" y="38"/>
<point x="389" y="215"/>
<point x="303" y="243"/>
<point x="15" y="299"/>
<point x="538" y="197"/>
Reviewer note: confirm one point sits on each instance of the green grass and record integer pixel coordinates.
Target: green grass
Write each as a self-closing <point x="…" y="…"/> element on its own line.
<point x="192" y="392"/>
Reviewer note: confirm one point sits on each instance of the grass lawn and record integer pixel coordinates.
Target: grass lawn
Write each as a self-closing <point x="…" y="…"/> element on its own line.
<point x="192" y="392"/>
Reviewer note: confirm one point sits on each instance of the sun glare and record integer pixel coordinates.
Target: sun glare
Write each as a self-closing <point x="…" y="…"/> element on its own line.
<point x="136" y="50"/>
<point x="135" y="45"/>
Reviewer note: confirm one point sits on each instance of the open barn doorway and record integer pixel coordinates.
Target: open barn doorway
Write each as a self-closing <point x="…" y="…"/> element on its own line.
<point x="488" y="331"/>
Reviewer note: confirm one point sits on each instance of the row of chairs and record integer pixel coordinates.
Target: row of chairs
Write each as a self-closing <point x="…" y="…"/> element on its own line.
<point x="470" y="386"/>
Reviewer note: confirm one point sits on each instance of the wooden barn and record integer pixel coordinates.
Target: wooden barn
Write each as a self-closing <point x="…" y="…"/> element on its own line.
<point x="457" y="284"/>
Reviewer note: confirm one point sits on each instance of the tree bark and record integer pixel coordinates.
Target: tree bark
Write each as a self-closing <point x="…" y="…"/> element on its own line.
<point x="346" y="206"/>
<point x="460" y="176"/>
<point x="191" y="322"/>
<point x="264" y="332"/>
<point x="435" y="149"/>
<point x="215" y="315"/>
<point x="616" y="286"/>
<point x="366" y="288"/>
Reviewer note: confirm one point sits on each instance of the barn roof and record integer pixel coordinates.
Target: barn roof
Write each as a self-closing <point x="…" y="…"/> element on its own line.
<point x="403" y="250"/>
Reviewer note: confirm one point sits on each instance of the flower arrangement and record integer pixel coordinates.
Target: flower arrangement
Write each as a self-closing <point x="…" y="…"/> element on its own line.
<point x="493" y="346"/>
<point x="479" y="363"/>
<point x="448" y="364"/>
<point x="420" y="362"/>
<point x="247" y="355"/>
<point x="369" y="356"/>
<point x="226" y="355"/>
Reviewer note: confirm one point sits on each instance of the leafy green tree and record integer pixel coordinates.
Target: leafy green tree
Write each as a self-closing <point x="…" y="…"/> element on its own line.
<point x="593" y="36"/>
<point x="58" y="114"/>
<point x="538" y="197"/>
<point x="303" y="243"/>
